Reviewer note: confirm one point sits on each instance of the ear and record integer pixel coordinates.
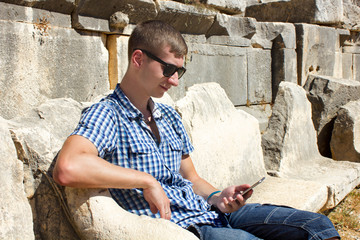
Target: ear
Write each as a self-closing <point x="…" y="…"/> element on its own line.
<point x="137" y="58"/>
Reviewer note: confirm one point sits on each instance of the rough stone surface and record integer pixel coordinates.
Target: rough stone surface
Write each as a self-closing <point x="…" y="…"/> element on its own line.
<point x="16" y="220"/>
<point x="261" y="112"/>
<point x="230" y="6"/>
<point x="297" y="193"/>
<point x="205" y="107"/>
<point x="137" y="11"/>
<point x="40" y="62"/>
<point x="296" y="11"/>
<point x="89" y="16"/>
<point x="119" y="20"/>
<point x="281" y="35"/>
<point x="98" y="216"/>
<point x="38" y="137"/>
<point x="259" y="76"/>
<point x="232" y="26"/>
<point x="351" y="15"/>
<point x="345" y="139"/>
<point x="229" y="41"/>
<point x="61" y="6"/>
<point x="186" y="18"/>
<point x="316" y="50"/>
<point x="212" y="63"/>
<point x="327" y="95"/>
<point x="284" y="68"/>
<point x="290" y="150"/>
<point x="15" y="13"/>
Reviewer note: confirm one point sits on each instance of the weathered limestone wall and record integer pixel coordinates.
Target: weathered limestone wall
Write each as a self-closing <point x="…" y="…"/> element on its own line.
<point x="74" y="49"/>
<point x="53" y="52"/>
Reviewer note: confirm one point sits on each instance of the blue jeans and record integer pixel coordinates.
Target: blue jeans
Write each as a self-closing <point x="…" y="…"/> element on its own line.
<point x="256" y="221"/>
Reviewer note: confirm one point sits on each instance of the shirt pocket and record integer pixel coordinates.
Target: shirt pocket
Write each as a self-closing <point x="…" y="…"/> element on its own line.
<point x="175" y="146"/>
<point x="144" y="157"/>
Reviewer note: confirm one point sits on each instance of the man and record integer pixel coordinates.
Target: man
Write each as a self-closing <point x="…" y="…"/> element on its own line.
<point x="148" y="169"/>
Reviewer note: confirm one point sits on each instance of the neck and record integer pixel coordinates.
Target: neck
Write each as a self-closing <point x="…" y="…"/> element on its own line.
<point x="138" y="98"/>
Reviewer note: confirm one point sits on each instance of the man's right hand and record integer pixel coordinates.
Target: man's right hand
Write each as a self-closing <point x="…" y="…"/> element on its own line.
<point x="157" y="199"/>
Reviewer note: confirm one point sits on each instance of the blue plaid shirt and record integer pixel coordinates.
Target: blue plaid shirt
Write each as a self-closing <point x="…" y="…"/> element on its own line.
<point x="118" y="131"/>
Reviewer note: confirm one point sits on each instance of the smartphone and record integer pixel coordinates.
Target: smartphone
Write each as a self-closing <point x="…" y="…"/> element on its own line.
<point x="254" y="185"/>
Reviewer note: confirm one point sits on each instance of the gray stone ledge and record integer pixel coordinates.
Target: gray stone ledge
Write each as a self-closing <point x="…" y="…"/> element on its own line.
<point x="11" y="12"/>
<point x="229" y="41"/>
<point x="60" y="6"/>
<point x="186" y="18"/>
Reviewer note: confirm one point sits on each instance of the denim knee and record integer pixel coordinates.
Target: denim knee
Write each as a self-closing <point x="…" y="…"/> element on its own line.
<point x="280" y="222"/>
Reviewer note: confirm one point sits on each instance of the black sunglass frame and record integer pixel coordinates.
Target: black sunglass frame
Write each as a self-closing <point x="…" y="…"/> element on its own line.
<point x="169" y="69"/>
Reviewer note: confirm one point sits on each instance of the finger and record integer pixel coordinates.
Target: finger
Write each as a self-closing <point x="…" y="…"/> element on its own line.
<point x="153" y="208"/>
<point x="242" y="187"/>
<point x="225" y="201"/>
<point x="165" y="212"/>
<point x="168" y="214"/>
<point x="240" y="200"/>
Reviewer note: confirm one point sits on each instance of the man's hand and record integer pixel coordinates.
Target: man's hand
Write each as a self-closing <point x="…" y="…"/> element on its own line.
<point x="230" y="199"/>
<point x="157" y="200"/>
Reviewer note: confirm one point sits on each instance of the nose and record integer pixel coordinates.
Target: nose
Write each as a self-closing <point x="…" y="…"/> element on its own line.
<point x="174" y="79"/>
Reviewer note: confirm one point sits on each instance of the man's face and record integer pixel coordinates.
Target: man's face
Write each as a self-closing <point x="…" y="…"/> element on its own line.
<point x="153" y="79"/>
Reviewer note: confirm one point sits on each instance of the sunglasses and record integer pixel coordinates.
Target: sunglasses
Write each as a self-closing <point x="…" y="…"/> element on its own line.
<point x="169" y="69"/>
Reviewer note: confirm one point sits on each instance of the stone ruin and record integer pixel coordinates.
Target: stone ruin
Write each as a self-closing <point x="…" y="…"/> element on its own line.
<point x="280" y="92"/>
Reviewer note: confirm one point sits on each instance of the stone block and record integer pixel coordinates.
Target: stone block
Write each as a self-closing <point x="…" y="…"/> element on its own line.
<point x="137" y="11"/>
<point x="229" y="41"/>
<point x="284" y="68"/>
<point x="98" y="216"/>
<point x="305" y="195"/>
<point x="316" y="48"/>
<point x="229" y="6"/>
<point x="212" y="63"/>
<point x="345" y="139"/>
<point x="274" y="35"/>
<point x="347" y="66"/>
<point x="327" y="95"/>
<point x="16" y="219"/>
<point x="40" y="62"/>
<point x="261" y="112"/>
<point x="38" y="137"/>
<point x="297" y="11"/>
<point x="205" y="107"/>
<point x="88" y="15"/>
<point x="356" y="67"/>
<point x="290" y="149"/>
<point x="190" y="19"/>
<point x="40" y="18"/>
<point x="338" y="68"/>
<point x="351" y="16"/>
<point x="61" y="6"/>
<point x="259" y="76"/>
<point x="351" y="49"/>
<point x="190" y="38"/>
<point x="232" y="26"/>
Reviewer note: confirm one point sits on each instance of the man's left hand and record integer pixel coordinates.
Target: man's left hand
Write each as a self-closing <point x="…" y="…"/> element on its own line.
<point x="230" y="199"/>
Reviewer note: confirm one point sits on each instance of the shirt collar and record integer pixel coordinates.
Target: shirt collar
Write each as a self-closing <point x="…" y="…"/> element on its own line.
<point x="131" y="111"/>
